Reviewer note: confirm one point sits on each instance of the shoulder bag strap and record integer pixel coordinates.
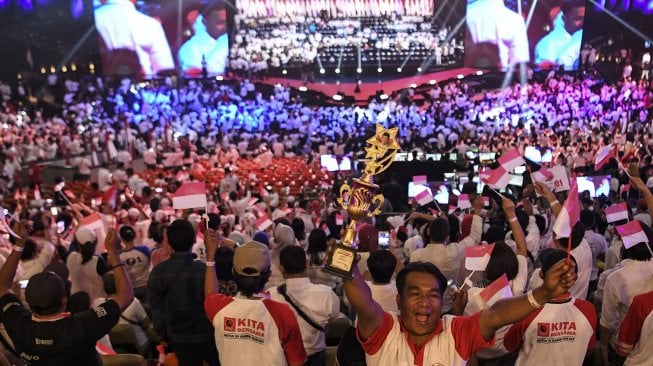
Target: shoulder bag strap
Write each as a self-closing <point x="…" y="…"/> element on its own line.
<point x="282" y="290"/>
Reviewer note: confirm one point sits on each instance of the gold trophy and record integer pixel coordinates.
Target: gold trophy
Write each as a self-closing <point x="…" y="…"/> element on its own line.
<point x="361" y="200"/>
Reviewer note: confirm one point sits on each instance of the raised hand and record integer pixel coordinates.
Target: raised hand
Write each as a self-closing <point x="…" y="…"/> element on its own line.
<point x="559" y="278"/>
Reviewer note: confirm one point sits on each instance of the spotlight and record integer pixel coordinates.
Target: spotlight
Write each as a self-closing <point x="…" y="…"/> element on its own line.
<point x="383" y="96"/>
<point x="73" y="67"/>
<point x="322" y="71"/>
<point x="379" y="69"/>
<point x="359" y="70"/>
<point x="52" y="70"/>
<point x="398" y="69"/>
<point x="419" y="69"/>
<point x="64" y="69"/>
<point x="219" y="78"/>
<point x="460" y="76"/>
<point x="337" y="70"/>
<point x="432" y="82"/>
<point x="479" y="72"/>
<point x="302" y="88"/>
<point x="284" y="71"/>
<point x="43" y="71"/>
<point x="413" y="85"/>
<point x="337" y="97"/>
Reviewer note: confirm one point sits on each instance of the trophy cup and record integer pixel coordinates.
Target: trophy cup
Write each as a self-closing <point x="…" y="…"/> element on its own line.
<point x="361" y="200"/>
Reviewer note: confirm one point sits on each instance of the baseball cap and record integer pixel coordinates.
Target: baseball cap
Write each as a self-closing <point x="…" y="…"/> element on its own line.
<point x="251" y="259"/>
<point x="85" y="235"/>
<point x="44" y="293"/>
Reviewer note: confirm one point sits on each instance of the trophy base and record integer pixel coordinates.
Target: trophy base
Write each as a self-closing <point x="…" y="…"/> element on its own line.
<point x="341" y="261"/>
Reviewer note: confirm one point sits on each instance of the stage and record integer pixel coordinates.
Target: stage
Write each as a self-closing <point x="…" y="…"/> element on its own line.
<point x="368" y="87"/>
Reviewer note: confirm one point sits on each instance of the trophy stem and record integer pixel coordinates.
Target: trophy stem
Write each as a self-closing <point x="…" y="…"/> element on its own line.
<point x="350" y="233"/>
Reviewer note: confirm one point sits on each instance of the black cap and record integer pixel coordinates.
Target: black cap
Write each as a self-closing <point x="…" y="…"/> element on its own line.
<point x="44" y="293"/>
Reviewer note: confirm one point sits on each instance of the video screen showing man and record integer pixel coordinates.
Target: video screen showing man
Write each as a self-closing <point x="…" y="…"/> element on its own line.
<point x="496" y="35"/>
<point x="207" y="50"/>
<point x="133" y="43"/>
<point x="561" y="47"/>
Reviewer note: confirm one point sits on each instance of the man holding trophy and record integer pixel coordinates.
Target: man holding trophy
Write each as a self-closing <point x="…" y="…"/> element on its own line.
<point x="418" y="336"/>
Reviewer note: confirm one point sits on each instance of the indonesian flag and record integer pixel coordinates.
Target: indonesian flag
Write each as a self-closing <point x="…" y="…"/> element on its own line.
<point x="602" y="157"/>
<point x="92" y="222"/>
<point x="326" y="230"/>
<point x="477" y="257"/>
<point x="424" y="197"/>
<point x="511" y="160"/>
<point x="182" y="176"/>
<point x="496" y="178"/>
<point x="632" y="234"/>
<point x="263" y="223"/>
<point x="542" y="175"/>
<point x="262" y="192"/>
<point x="624" y="188"/>
<point x="37" y="193"/>
<point x="190" y="195"/>
<point x="252" y="201"/>
<point x="464" y="202"/>
<point x="569" y="215"/>
<point x="339" y="220"/>
<point x="452" y="209"/>
<point x="419" y="179"/>
<point x="109" y="197"/>
<point x="616" y="212"/>
<point x="497" y="290"/>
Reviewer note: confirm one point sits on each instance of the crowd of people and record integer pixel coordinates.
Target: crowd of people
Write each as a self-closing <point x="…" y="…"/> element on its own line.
<point x="273" y="42"/>
<point x="110" y="250"/>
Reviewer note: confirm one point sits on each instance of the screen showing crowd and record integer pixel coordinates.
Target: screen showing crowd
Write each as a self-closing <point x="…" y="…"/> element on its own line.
<point x="143" y="38"/>
<point x="545" y="34"/>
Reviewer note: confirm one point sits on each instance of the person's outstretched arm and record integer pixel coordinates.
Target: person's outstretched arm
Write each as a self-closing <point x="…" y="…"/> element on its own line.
<point x="211" y="285"/>
<point x="8" y="271"/>
<point x="124" y="291"/>
<point x="508" y="311"/>
<point x="369" y="312"/>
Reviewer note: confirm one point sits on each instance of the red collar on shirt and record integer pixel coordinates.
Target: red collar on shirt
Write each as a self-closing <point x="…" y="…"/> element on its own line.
<point x="566" y="297"/>
<point x="419" y="353"/>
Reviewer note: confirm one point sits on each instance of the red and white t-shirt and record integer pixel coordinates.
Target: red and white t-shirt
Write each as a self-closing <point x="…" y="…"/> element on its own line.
<point x="556" y="334"/>
<point x="453" y="342"/>
<point x="636" y="332"/>
<point x="254" y="331"/>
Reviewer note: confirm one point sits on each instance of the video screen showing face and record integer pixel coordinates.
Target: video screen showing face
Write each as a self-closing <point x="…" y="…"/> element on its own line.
<point x="596" y="185"/>
<point x="505" y="33"/>
<point x="146" y="38"/>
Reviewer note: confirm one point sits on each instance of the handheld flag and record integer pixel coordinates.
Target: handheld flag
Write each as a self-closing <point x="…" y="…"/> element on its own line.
<point x="478" y="257"/>
<point x="497" y="290"/>
<point x="632" y="234"/>
<point x="616" y="212"/>
<point x="190" y="195"/>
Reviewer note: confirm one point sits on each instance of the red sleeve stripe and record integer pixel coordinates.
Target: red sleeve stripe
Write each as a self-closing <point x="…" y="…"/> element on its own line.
<point x="373" y="344"/>
<point x="214" y="303"/>
<point x="289" y="333"/>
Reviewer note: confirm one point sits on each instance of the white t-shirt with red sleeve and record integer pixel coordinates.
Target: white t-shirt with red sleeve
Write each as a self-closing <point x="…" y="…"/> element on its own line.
<point x="636" y="332"/>
<point x="453" y="342"/>
<point x="258" y="332"/>
<point x="556" y="334"/>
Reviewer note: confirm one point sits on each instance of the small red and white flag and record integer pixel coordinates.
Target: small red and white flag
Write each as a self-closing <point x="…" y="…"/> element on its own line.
<point x="624" y="188"/>
<point x="602" y="157"/>
<point x="452" y="209"/>
<point x="477" y="257"/>
<point x="252" y="201"/>
<point x="190" y="195"/>
<point x="262" y="191"/>
<point x="464" y="202"/>
<point x="496" y="178"/>
<point x="92" y="222"/>
<point x="616" y="212"/>
<point x="340" y="220"/>
<point x="632" y="234"/>
<point x="569" y="215"/>
<point x="109" y="197"/>
<point x="263" y="223"/>
<point x="542" y="175"/>
<point x="497" y="290"/>
<point x="420" y="179"/>
<point x="424" y="197"/>
<point x="511" y="160"/>
<point x="326" y="230"/>
<point x="182" y="176"/>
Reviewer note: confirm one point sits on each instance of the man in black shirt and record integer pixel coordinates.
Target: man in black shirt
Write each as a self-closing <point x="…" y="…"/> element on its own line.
<point x="176" y="298"/>
<point x="47" y="335"/>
